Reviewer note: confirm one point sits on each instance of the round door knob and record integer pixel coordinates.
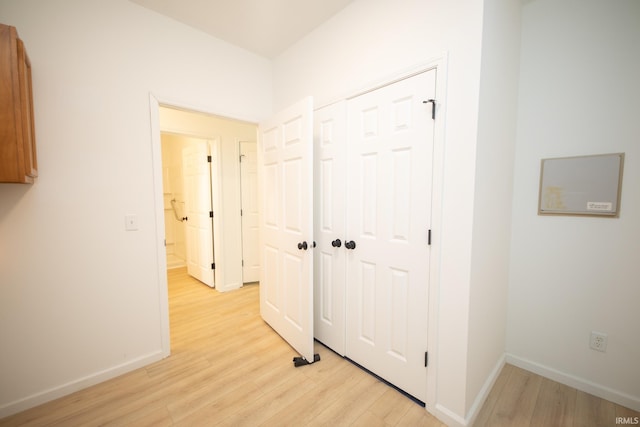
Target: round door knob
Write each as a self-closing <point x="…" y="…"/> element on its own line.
<point x="302" y="246"/>
<point x="336" y="243"/>
<point x="350" y="244"/>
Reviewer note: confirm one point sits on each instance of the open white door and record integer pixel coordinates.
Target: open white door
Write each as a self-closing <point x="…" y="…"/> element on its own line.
<point x="250" y="217"/>
<point x="199" y="223"/>
<point x="285" y="159"/>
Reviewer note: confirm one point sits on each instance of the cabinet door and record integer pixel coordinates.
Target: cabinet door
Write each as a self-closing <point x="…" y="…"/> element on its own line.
<point x="330" y="161"/>
<point x="17" y="136"/>
<point x="390" y="132"/>
<point x="26" y="105"/>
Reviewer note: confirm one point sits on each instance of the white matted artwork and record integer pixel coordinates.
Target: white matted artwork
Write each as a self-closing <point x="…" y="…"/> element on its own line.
<point x="581" y="185"/>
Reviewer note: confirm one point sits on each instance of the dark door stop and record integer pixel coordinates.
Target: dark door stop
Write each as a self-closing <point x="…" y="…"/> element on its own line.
<point x="301" y="361"/>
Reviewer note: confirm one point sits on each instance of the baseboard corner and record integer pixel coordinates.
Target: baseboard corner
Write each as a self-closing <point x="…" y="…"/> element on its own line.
<point x="485" y="390"/>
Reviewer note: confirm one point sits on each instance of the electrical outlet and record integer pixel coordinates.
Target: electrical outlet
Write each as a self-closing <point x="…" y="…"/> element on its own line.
<point x="598" y="341"/>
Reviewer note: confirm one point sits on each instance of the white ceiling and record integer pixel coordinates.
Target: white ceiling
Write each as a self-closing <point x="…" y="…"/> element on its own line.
<point x="265" y="27"/>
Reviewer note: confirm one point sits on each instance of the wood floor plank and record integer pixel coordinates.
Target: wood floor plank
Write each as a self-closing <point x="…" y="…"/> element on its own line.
<point x="355" y="399"/>
<point x="224" y="378"/>
<point x="494" y="396"/>
<point x="592" y="411"/>
<point x="221" y="406"/>
<point x="311" y="404"/>
<point x="285" y="393"/>
<point x="518" y="400"/>
<point x="417" y="416"/>
<point x="627" y="414"/>
<point x="391" y="406"/>
<point x="555" y="405"/>
<point x="369" y="419"/>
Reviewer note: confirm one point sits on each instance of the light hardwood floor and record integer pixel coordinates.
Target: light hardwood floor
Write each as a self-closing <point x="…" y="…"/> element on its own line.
<point x="521" y="398"/>
<point x="229" y="368"/>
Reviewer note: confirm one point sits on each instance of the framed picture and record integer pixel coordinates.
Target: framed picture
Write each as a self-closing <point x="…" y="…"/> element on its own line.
<point x="581" y="185"/>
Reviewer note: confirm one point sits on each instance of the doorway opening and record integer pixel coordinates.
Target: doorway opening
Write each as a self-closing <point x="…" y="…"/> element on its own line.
<point x="175" y="132"/>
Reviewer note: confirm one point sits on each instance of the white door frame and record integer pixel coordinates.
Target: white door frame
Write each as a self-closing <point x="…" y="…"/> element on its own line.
<point x="156" y="157"/>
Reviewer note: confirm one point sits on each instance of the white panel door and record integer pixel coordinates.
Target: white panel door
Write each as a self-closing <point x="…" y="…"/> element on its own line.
<point x="199" y="223"/>
<point x="250" y="221"/>
<point x="285" y="158"/>
<point x="330" y="151"/>
<point x="390" y="133"/>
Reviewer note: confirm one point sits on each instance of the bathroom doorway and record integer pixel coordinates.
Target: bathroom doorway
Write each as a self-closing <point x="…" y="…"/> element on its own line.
<point x="229" y="142"/>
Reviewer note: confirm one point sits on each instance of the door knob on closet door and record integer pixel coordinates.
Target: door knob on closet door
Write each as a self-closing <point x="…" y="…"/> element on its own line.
<point x="336" y="243"/>
<point x="350" y="244"/>
<point x="303" y="246"/>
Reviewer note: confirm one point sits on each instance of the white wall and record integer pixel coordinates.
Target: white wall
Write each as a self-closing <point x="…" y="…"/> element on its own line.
<point x="79" y="296"/>
<point x="374" y="40"/>
<point x="229" y="132"/>
<point x="495" y="154"/>
<point x="579" y="92"/>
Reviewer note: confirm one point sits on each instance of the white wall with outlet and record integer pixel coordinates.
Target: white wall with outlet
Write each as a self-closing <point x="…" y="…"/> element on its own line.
<point x="571" y="276"/>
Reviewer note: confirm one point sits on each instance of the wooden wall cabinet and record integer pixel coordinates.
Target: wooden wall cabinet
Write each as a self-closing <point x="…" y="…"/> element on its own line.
<point x="17" y="137"/>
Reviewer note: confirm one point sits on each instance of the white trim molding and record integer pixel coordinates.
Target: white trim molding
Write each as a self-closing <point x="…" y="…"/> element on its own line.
<point x="79" y="384"/>
<point x="582" y="384"/>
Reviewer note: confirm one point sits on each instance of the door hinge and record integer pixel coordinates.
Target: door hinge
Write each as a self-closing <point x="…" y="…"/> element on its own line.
<point x="240" y="212"/>
<point x="243" y="263"/>
<point x="426" y="358"/>
<point x="429" y="238"/>
<point x="433" y="107"/>
<point x="208" y="159"/>
<point x="210" y="214"/>
<point x="213" y="265"/>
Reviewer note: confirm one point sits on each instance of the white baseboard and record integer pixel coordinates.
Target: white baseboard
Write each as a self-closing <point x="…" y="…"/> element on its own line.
<point x="615" y="396"/>
<point x="448" y="417"/>
<point x="484" y="391"/>
<point x="452" y="419"/>
<point x="79" y="384"/>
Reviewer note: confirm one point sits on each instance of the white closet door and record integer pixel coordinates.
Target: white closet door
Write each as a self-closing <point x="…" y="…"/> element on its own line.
<point x="199" y="224"/>
<point x="330" y="150"/>
<point x="390" y="133"/>
<point x="285" y="150"/>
